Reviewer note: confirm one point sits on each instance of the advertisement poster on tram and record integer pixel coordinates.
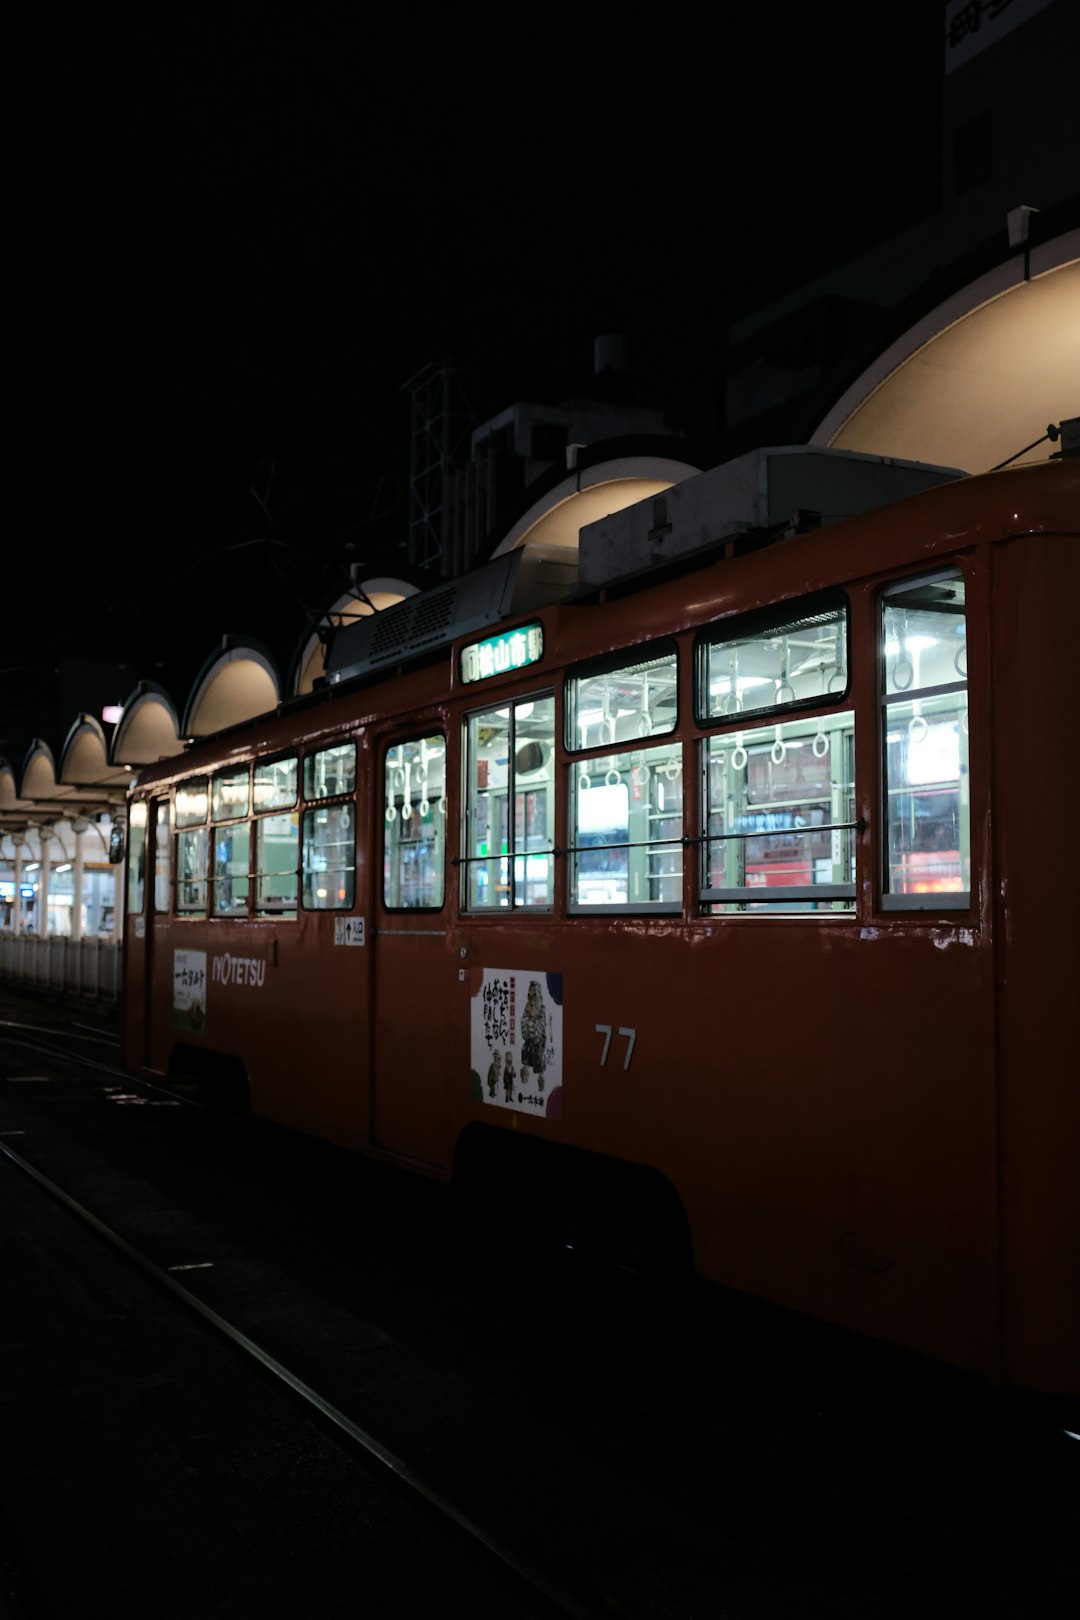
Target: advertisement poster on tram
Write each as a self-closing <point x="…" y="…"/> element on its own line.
<point x="189" y="989"/>
<point x="517" y="1041"/>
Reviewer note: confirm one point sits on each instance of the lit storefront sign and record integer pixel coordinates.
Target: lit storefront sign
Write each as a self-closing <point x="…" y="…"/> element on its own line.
<point x="499" y="655"/>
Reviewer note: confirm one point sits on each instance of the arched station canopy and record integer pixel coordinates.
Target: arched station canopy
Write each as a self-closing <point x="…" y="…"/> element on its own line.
<point x="86" y="784"/>
<point x="85" y="760"/>
<point x="87" y="789"/>
<point x="980" y="377"/>
<point x="15" y="811"/>
<point x="148" y="728"/>
<point x="591" y="493"/>
<point x="368" y="596"/>
<point x="236" y="683"/>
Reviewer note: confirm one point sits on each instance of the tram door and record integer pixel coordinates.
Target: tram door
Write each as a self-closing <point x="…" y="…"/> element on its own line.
<point x="414" y="977"/>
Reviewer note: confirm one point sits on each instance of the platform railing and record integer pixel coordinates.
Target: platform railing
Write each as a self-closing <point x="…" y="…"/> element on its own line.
<point x="80" y="967"/>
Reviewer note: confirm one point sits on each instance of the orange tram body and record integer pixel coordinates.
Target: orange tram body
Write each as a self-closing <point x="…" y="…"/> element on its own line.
<point x="721" y="885"/>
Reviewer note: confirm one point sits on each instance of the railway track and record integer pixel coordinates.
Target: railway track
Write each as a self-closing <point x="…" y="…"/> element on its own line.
<point x="600" y="1448"/>
<point x="538" y="1595"/>
<point x="216" y="1292"/>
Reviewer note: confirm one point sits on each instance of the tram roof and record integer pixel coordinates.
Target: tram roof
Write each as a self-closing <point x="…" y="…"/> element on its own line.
<point x="1042" y="493"/>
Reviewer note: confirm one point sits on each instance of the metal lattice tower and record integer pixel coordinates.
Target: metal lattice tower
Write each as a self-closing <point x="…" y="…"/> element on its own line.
<point x="440" y="424"/>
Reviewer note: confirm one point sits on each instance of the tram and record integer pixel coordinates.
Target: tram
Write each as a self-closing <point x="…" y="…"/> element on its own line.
<point x="714" y="894"/>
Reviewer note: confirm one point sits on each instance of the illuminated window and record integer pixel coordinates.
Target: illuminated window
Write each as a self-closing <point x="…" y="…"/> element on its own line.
<point x="626" y="804"/>
<point x="414" y="824"/>
<point x="330" y="772"/>
<point x="192" y="799"/>
<point x="232" y="852"/>
<point x="509" y="833"/>
<point x="275" y="784"/>
<point x="626" y="829"/>
<point x="163" y="856"/>
<point x="230" y="795"/>
<point x="624" y="702"/>
<point x="277" y="845"/>
<point x="329" y="858"/>
<point x="191" y="853"/>
<point x="779" y="805"/>
<point x="192" y="846"/>
<point x="925" y="745"/>
<point x="776" y="660"/>
<point x="136" y="874"/>
<point x="778" y="800"/>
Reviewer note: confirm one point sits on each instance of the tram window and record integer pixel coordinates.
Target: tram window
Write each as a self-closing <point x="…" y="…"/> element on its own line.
<point x="509" y="833"/>
<point x="779" y="805"/>
<point x="275" y="784"/>
<point x="414" y="824"/>
<point x="232" y="854"/>
<point x="773" y="661"/>
<point x="627" y="829"/>
<point x="329" y="858"/>
<point x="623" y="702"/>
<point x="230" y="794"/>
<point x="136" y="882"/>
<point x="277" y="845"/>
<point x="927" y="840"/>
<point x="191" y="802"/>
<point x="330" y="772"/>
<point x="163" y="856"/>
<point x="191" y="852"/>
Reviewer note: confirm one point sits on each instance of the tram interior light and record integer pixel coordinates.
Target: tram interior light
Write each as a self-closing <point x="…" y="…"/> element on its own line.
<point x="743" y="683"/>
<point x="912" y="644"/>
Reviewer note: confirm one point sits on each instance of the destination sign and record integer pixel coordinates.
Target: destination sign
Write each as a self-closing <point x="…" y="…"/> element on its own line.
<point x="498" y="655"/>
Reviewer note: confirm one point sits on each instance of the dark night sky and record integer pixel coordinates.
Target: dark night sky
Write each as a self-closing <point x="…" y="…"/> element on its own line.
<point x="239" y="238"/>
